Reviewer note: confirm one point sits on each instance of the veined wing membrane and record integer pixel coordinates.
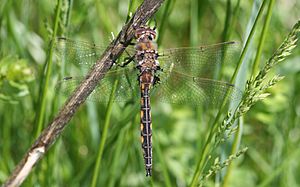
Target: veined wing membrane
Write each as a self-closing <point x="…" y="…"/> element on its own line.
<point x="198" y="61"/>
<point x="180" y="79"/>
<point x="178" y="88"/>
<point x="78" y="52"/>
<point x="127" y="85"/>
<point x="81" y="53"/>
<point x="174" y="88"/>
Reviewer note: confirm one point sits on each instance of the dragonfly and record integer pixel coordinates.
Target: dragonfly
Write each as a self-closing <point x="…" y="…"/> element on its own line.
<point x="177" y="75"/>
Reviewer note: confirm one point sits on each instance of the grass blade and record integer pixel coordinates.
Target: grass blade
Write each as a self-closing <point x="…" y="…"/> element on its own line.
<point x="167" y="180"/>
<point x="207" y="147"/>
<point x="104" y="136"/>
<point x="234" y="149"/>
<point x="116" y="158"/>
<point x="48" y="67"/>
<point x="262" y="38"/>
<point x="163" y="22"/>
<point x="194" y="23"/>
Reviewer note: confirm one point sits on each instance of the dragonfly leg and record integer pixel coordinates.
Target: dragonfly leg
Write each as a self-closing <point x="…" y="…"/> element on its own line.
<point x="127" y="61"/>
<point x="155" y="23"/>
<point x="156" y="80"/>
<point x="126" y="44"/>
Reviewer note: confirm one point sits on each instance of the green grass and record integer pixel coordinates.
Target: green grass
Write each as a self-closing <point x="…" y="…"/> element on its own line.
<point x="263" y="150"/>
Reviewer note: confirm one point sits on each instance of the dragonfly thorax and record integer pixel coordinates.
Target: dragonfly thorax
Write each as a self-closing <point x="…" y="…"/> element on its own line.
<point x="146" y="46"/>
<point x="146" y="50"/>
<point x="147" y="60"/>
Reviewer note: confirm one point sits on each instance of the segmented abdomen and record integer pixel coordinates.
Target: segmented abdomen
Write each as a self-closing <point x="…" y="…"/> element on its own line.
<point x="146" y="127"/>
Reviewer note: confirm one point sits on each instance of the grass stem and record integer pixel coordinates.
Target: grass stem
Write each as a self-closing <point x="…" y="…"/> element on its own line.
<point x="234" y="149"/>
<point x="167" y="180"/>
<point x="262" y="38"/>
<point x="104" y="136"/>
<point x="42" y="106"/>
<point x="207" y="147"/>
<point x="163" y="21"/>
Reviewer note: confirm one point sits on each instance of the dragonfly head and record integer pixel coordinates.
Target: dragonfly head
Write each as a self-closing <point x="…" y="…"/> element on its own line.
<point x="145" y="33"/>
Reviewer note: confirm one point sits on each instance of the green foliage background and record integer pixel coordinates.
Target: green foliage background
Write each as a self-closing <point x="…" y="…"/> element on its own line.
<point x="270" y="129"/>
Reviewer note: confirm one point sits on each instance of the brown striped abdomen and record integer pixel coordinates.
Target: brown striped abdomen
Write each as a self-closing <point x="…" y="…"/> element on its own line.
<point x="146" y="127"/>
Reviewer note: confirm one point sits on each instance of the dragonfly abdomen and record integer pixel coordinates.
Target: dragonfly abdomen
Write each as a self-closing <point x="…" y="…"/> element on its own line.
<point x="146" y="127"/>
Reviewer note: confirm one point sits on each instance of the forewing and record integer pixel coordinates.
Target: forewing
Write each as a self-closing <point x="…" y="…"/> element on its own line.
<point x="81" y="53"/>
<point x="198" y="61"/>
<point x="77" y="52"/>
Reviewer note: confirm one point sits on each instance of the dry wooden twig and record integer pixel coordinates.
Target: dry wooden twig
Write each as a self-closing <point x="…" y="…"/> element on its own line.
<point x="55" y="128"/>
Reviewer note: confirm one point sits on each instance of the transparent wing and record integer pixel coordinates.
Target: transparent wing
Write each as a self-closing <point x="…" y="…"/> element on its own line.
<point x="198" y="61"/>
<point x="84" y="55"/>
<point x="127" y="85"/>
<point x="173" y="88"/>
<point x="184" y="78"/>
<point x="179" y="88"/>
<point x="81" y="53"/>
<point x="78" y="52"/>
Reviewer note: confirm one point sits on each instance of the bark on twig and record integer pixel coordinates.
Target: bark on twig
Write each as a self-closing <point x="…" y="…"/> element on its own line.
<point x="55" y="128"/>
